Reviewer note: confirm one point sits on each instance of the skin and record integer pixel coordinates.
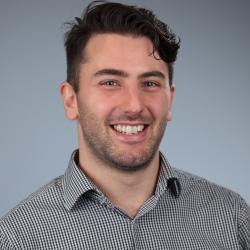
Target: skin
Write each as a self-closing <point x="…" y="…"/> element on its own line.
<point x="121" y="83"/>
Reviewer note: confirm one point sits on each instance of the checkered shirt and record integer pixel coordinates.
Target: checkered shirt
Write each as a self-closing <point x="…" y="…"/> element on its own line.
<point x="71" y="213"/>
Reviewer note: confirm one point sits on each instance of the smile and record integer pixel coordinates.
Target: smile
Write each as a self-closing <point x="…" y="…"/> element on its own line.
<point x="129" y="129"/>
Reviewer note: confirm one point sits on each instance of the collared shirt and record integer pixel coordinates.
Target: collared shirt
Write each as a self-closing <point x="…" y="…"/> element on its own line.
<point x="71" y="213"/>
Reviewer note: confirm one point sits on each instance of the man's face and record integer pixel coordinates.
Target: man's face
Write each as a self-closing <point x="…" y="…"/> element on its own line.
<point x="124" y="100"/>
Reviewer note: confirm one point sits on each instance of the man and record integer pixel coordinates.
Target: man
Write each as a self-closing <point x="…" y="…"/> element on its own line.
<point x="119" y="192"/>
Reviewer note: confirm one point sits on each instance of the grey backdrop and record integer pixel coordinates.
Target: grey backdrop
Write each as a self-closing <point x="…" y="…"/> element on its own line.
<point x="209" y="135"/>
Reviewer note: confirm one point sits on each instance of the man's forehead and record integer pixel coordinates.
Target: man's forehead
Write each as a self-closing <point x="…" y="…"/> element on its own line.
<point x="118" y="44"/>
<point x="117" y="51"/>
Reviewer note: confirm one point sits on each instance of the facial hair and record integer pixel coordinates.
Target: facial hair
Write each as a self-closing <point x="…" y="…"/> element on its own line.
<point x="102" y="146"/>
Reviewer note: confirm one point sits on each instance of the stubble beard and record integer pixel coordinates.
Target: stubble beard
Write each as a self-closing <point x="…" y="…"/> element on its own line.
<point x="101" y="145"/>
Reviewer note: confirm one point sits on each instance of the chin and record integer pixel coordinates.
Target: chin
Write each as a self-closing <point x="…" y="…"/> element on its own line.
<point x="132" y="161"/>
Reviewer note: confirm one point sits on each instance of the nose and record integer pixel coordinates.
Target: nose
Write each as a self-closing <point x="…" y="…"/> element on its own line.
<point x="132" y="101"/>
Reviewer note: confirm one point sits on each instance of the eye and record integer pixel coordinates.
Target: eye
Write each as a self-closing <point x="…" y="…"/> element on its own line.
<point x="109" y="83"/>
<point x="151" y="84"/>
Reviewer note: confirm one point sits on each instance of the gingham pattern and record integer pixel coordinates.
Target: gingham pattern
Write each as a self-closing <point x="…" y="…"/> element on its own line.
<point x="71" y="213"/>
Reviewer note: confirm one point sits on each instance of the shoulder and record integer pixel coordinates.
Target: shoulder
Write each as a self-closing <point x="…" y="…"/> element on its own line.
<point x="210" y="200"/>
<point x="49" y="193"/>
<point x="204" y="194"/>
<point x="36" y="208"/>
<point x="199" y="187"/>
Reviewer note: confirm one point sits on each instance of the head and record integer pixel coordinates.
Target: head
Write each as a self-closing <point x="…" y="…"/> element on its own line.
<point x="119" y="84"/>
<point x="102" y="17"/>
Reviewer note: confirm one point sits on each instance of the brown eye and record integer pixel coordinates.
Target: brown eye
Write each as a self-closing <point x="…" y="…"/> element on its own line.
<point x="151" y="84"/>
<point x="109" y="83"/>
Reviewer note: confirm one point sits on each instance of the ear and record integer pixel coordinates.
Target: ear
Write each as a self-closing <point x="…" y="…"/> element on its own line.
<point x="69" y="100"/>
<point x="170" y="102"/>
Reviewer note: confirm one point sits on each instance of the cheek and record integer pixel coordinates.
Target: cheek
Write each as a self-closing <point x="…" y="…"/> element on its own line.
<point x="102" y="104"/>
<point x="159" y="105"/>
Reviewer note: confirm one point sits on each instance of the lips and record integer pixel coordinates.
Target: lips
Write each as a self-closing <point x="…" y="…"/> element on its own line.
<point x="130" y="133"/>
<point x="129" y="129"/>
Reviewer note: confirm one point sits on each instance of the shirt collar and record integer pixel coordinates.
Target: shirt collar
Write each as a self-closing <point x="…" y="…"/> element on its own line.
<point x="75" y="183"/>
<point x="167" y="178"/>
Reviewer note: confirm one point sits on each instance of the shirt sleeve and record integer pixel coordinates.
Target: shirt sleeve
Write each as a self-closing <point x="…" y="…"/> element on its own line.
<point x="244" y="225"/>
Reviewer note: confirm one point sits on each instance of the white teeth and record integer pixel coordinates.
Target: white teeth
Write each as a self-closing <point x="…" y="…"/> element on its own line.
<point x="127" y="129"/>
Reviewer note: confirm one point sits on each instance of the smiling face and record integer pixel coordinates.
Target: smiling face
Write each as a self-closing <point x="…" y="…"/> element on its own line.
<point x="124" y="101"/>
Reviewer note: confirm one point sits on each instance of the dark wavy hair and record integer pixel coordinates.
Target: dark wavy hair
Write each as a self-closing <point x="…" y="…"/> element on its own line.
<point x="107" y="17"/>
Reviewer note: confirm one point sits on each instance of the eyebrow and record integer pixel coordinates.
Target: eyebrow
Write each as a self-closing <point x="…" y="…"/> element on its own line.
<point x="114" y="72"/>
<point x="117" y="72"/>
<point x="154" y="73"/>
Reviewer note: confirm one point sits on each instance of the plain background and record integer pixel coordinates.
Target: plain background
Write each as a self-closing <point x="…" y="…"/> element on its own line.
<point x="209" y="135"/>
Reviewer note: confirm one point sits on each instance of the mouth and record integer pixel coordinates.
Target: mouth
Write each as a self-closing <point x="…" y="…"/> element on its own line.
<point x="129" y="129"/>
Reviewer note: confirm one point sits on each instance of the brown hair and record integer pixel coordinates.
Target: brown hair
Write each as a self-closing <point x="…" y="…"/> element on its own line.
<point x="108" y="17"/>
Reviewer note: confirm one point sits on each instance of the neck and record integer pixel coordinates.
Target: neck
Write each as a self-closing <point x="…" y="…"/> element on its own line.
<point x="126" y="190"/>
